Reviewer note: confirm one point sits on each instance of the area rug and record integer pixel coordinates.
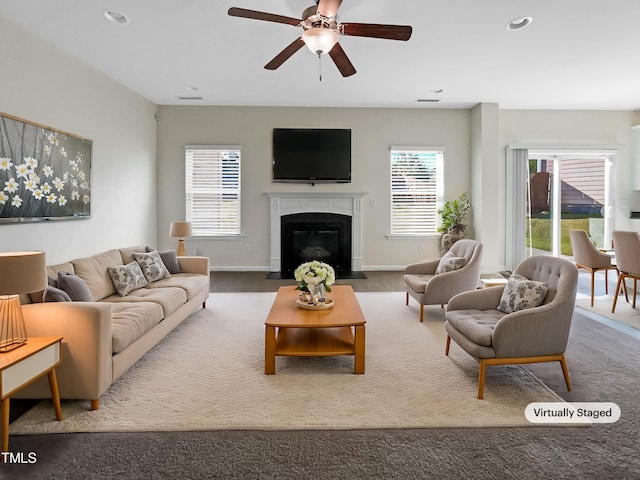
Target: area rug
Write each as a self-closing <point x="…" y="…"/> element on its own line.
<point x="602" y="304"/>
<point x="209" y="374"/>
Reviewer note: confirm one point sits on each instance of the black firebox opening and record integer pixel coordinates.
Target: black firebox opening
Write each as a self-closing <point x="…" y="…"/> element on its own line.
<point x="315" y="236"/>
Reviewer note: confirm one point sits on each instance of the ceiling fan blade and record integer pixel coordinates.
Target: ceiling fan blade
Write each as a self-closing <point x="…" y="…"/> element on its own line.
<point x="342" y="61"/>
<point x="328" y="8"/>
<point x="268" y="17"/>
<point x="285" y="54"/>
<point x="374" y="30"/>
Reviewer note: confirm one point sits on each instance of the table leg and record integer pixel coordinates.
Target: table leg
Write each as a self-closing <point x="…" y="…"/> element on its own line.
<point x="5" y="424"/>
<point x="55" y="394"/>
<point x="270" y="350"/>
<point x="359" y="349"/>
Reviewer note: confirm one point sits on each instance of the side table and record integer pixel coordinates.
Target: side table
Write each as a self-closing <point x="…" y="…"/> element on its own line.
<point x="23" y="365"/>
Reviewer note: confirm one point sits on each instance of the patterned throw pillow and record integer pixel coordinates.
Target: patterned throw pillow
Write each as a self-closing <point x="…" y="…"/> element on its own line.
<point x="127" y="278"/>
<point x="521" y="293"/>
<point x="449" y="262"/>
<point x="170" y="260"/>
<point x="152" y="266"/>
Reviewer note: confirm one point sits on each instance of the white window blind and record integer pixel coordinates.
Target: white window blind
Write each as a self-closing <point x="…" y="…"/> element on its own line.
<point x="213" y="189"/>
<point x="416" y="189"/>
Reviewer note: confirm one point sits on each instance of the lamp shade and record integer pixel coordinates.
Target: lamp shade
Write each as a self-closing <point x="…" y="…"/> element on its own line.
<point x="180" y="229"/>
<point x="22" y="272"/>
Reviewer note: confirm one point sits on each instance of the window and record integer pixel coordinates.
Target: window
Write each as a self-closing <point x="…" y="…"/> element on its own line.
<point x="416" y="189"/>
<point x="213" y="189"/>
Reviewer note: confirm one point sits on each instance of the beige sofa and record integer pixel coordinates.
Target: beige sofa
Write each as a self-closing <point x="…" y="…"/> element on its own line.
<point x="105" y="337"/>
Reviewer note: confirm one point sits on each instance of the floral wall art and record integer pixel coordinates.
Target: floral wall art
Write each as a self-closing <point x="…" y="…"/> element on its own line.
<point x="45" y="174"/>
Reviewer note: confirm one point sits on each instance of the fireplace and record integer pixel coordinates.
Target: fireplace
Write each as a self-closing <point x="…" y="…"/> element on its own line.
<point x="341" y="203"/>
<point x="315" y="236"/>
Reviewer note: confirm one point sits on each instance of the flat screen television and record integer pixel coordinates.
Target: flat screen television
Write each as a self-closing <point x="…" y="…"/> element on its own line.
<point x="312" y="155"/>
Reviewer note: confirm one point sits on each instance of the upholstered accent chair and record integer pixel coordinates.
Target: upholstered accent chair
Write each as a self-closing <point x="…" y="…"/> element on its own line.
<point x="589" y="258"/>
<point x="528" y="334"/>
<point x="627" y="248"/>
<point x="435" y="282"/>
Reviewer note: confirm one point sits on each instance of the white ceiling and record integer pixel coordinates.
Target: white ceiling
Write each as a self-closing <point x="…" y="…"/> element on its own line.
<point x="576" y="54"/>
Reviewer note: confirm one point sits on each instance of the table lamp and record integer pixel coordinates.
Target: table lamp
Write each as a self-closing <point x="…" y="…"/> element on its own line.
<point x="181" y="230"/>
<point x="20" y="272"/>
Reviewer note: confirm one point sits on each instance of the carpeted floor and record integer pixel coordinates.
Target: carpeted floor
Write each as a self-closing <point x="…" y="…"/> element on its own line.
<point x="209" y="375"/>
<point x="604" y="366"/>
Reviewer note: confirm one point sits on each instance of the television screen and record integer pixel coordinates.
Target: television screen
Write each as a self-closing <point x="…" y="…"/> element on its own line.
<point x="311" y="155"/>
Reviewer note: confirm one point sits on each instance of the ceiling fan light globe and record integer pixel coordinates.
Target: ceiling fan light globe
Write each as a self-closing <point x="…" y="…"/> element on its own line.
<point x="320" y="40"/>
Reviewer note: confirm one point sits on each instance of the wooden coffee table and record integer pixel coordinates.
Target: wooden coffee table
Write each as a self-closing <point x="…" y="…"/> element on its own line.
<point x="295" y="332"/>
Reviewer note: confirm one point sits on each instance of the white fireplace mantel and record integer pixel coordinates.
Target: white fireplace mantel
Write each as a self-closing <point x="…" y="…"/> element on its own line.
<point x="288" y="203"/>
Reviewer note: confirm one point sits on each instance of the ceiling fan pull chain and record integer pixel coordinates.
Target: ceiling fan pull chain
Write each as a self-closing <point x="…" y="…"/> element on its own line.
<point x="320" y="65"/>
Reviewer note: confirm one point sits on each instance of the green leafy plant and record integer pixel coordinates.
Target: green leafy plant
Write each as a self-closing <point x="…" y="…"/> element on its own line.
<point x="453" y="213"/>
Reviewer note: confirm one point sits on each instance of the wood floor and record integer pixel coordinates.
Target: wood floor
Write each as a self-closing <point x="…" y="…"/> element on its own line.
<point x="258" y="282"/>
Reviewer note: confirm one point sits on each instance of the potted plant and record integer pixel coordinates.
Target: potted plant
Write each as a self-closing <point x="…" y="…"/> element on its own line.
<point x="452" y="215"/>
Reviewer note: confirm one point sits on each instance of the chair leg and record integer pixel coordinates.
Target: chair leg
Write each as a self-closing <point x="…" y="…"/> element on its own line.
<point x="635" y="289"/>
<point x="446" y="350"/>
<point x="615" y="296"/>
<point x="406" y="300"/>
<point x="483" y="366"/>
<point x="606" y="282"/>
<point x="565" y="372"/>
<point x="593" y="281"/>
<point x="421" y="312"/>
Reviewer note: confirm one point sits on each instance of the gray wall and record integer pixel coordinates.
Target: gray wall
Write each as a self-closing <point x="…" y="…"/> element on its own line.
<point x="46" y="86"/>
<point x="373" y="132"/>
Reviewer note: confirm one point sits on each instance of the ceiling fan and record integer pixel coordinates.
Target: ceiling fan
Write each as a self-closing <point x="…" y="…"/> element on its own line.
<point x="321" y="30"/>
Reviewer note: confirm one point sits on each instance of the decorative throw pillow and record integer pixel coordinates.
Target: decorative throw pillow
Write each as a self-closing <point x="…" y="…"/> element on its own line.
<point x="449" y="262"/>
<point x="152" y="266"/>
<point x="170" y="260"/>
<point x="75" y="287"/>
<point x="127" y="278"/>
<point x="521" y="293"/>
<point x="53" y="294"/>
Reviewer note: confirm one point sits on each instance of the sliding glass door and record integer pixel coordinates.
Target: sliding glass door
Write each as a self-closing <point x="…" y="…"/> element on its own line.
<point x="558" y="191"/>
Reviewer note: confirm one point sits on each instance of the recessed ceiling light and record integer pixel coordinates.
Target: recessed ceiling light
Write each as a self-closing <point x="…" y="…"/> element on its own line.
<point x="519" y="23"/>
<point x="116" y="17"/>
<point x="437" y="90"/>
<point x="190" y="98"/>
<point x="427" y="100"/>
<point x="192" y="88"/>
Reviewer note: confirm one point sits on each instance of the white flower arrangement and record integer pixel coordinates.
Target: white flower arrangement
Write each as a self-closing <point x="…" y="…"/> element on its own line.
<point x="314" y="273"/>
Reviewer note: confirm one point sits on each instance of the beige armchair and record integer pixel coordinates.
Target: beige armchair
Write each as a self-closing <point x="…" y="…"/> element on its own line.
<point x="526" y="335"/>
<point x="430" y="288"/>
<point x="589" y="258"/>
<point x="627" y="248"/>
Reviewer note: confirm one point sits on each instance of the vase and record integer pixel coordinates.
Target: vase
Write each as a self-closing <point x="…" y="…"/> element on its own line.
<point x="448" y="239"/>
<point x="316" y="291"/>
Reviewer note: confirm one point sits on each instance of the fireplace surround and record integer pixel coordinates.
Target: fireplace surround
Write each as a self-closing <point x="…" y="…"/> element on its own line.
<point x="292" y="203"/>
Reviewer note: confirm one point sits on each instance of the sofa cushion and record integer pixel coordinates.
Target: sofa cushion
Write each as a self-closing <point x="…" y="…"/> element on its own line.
<point x="170" y="260"/>
<point x="74" y="287"/>
<point x="417" y="282"/>
<point x="476" y="325"/>
<point x="169" y="298"/>
<point x="53" y="294"/>
<point x="127" y="278"/>
<point x="191" y="283"/>
<point x="93" y="270"/>
<point x="152" y="266"/>
<point x="131" y="320"/>
<point x="521" y="293"/>
<point x="449" y="262"/>
<point x="127" y="253"/>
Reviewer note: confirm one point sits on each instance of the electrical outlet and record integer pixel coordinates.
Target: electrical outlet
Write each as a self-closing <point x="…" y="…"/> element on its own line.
<point x="372" y="202"/>
<point x="420" y="248"/>
<point x="246" y="249"/>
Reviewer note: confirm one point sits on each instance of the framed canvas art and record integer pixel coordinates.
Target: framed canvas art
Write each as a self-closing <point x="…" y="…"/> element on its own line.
<point x="45" y="174"/>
